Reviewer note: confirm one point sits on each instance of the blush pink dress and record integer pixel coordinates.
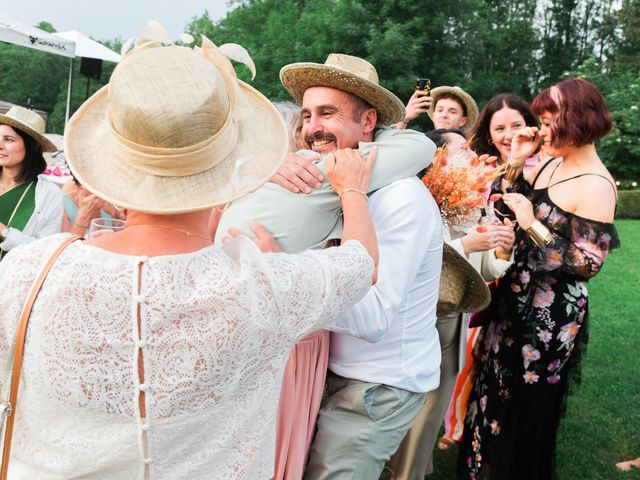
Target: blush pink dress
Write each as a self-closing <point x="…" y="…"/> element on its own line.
<point x="302" y="388"/>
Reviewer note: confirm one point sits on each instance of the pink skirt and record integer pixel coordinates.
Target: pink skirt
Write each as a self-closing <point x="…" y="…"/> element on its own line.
<point x="302" y="388"/>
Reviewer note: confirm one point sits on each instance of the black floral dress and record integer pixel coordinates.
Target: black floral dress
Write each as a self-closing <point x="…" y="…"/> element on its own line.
<point x="528" y="352"/>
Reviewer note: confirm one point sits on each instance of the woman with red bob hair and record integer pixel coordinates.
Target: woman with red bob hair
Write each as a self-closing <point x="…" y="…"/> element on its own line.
<point x="528" y="353"/>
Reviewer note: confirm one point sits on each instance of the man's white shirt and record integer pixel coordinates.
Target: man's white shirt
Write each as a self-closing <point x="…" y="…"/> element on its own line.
<point x="390" y="336"/>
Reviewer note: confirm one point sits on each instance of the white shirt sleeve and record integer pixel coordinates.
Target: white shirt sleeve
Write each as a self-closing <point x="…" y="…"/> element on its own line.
<point x="493" y="267"/>
<point x="403" y="227"/>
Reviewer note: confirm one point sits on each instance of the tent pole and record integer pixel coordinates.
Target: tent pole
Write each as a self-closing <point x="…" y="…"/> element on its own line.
<point x="66" y="115"/>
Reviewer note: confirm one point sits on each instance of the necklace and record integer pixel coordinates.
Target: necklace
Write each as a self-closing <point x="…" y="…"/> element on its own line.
<point x="17" y="207"/>
<point x="166" y="227"/>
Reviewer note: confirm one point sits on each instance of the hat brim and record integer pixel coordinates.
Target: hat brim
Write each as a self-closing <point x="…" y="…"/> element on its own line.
<point x="476" y="294"/>
<point x="298" y="77"/>
<point x="469" y="103"/>
<point x="260" y="149"/>
<point x="45" y="143"/>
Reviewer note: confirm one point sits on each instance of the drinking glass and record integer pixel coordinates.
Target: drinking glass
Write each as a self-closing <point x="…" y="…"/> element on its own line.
<point x="102" y="226"/>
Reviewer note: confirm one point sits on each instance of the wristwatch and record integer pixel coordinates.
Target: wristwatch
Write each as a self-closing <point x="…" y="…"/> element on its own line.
<point x="4" y="233"/>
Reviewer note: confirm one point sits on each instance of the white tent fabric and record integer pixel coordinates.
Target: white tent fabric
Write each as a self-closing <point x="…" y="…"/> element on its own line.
<point x="87" y="47"/>
<point x="17" y="32"/>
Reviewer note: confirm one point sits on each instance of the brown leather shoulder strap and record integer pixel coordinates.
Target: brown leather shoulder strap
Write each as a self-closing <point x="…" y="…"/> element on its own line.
<point x="19" y="351"/>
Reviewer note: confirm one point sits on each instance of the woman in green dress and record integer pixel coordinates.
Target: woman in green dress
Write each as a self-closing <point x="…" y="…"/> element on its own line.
<point x="30" y="206"/>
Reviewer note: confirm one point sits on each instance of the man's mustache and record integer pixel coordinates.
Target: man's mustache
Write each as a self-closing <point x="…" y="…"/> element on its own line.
<point x="319" y="136"/>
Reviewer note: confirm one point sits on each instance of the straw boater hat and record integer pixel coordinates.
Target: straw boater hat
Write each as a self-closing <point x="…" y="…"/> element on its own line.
<point x="29" y="122"/>
<point x="465" y="98"/>
<point x="462" y="289"/>
<point x="350" y="74"/>
<point x="174" y="131"/>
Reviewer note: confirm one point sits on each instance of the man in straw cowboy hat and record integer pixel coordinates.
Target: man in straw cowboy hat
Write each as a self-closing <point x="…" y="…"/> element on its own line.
<point x="448" y="107"/>
<point x="299" y="221"/>
<point x="152" y="353"/>
<point x="375" y="389"/>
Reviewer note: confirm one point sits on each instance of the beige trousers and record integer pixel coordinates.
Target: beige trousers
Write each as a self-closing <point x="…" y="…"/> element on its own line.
<point x="359" y="426"/>
<point x="414" y="458"/>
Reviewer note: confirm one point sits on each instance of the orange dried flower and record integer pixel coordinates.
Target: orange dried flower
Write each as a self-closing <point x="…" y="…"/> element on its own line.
<point x="459" y="186"/>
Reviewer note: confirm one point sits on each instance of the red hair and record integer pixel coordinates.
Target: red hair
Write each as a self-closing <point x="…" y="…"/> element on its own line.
<point x="580" y="114"/>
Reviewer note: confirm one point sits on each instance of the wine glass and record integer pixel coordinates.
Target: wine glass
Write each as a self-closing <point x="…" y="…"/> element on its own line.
<point x="102" y="226"/>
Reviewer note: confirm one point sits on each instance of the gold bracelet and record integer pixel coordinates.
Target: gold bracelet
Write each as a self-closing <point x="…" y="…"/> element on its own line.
<point x="539" y="234"/>
<point x="512" y="171"/>
<point x="359" y="192"/>
<point x="81" y="226"/>
<point x="501" y="256"/>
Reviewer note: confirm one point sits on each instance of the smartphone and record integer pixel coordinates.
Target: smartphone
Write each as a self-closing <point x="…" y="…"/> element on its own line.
<point x="423" y="84"/>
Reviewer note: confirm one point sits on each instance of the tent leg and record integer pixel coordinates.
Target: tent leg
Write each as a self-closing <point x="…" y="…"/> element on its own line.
<point x="66" y="115"/>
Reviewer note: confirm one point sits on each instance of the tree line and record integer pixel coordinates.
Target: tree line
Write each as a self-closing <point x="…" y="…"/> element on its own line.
<point x="484" y="46"/>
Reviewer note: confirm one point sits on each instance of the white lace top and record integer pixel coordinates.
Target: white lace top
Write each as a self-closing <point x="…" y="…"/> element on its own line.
<point x="216" y="327"/>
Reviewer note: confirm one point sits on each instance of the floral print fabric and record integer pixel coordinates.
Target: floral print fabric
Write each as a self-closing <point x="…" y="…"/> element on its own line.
<point x="531" y="346"/>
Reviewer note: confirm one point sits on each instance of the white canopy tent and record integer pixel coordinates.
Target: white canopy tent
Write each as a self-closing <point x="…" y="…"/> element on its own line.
<point x="69" y="44"/>
<point x="88" y="48"/>
<point x="17" y="32"/>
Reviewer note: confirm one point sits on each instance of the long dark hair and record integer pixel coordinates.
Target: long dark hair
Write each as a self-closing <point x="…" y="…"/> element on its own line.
<point x="437" y="135"/>
<point x="481" y="142"/>
<point x="34" y="163"/>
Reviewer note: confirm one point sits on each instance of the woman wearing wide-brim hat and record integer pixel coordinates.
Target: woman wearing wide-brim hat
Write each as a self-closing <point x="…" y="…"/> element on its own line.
<point x="152" y="353"/>
<point x="30" y="206"/>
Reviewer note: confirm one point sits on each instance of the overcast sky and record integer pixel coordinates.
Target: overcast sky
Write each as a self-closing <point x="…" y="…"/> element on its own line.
<point x="108" y="19"/>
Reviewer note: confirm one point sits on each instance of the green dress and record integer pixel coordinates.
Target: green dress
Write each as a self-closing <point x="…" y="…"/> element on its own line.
<point x="24" y="198"/>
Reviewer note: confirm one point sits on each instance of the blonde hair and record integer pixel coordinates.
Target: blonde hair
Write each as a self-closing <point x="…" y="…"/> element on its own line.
<point x="292" y="115"/>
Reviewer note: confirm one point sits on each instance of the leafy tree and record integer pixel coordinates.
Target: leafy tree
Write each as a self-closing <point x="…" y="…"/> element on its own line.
<point x="46" y="26"/>
<point x="31" y="77"/>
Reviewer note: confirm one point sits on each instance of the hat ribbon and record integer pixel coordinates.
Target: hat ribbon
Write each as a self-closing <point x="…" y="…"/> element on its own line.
<point x="177" y="162"/>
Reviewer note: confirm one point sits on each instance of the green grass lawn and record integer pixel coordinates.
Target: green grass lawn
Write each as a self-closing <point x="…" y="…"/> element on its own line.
<point x="602" y="424"/>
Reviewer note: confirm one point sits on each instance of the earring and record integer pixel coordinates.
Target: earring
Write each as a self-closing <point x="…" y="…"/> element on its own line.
<point x="490" y="142"/>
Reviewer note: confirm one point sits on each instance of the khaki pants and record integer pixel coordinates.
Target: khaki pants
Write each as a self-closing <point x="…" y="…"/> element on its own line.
<point x="359" y="426"/>
<point x="414" y="458"/>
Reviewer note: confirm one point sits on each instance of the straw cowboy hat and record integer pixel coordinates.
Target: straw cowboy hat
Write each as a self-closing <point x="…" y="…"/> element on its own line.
<point x="462" y="289"/>
<point x="29" y="122"/>
<point x="465" y="98"/>
<point x="174" y="131"/>
<point x="350" y="74"/>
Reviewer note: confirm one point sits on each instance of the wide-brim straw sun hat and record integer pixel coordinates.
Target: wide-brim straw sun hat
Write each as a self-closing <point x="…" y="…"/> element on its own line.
<point x="175" y="131"/>
<point x="462" y="288"/>
<point x="465" y="98"/>
<point x="347" y="73"/>
<point x="29" y="122"/>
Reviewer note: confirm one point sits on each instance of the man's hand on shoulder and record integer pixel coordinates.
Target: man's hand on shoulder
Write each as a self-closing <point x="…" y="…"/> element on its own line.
<point x="298" y="174"/>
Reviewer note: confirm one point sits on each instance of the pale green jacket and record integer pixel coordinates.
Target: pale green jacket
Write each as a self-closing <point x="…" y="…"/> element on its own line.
<point x="300" y="221"/>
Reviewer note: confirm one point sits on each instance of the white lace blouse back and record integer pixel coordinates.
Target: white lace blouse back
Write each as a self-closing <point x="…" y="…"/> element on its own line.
<point x="209" y="330"/>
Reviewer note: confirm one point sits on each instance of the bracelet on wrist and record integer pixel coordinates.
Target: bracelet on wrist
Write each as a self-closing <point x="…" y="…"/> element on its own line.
<point x="539" y="234"/>
<point x="512" y="170"/>
<point x="80" y="226"/>
<point x="353" y="190"/>
<point x="501" y="256"/>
